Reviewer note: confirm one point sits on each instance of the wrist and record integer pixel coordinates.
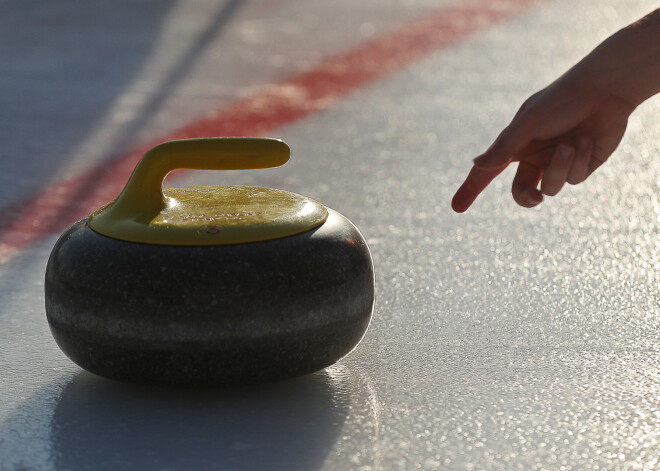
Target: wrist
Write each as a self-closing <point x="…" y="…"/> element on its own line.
<point x="627" y="64"/>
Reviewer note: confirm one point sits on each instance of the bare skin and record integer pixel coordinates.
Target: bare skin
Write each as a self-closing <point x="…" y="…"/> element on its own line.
<point x="564" y="132"/>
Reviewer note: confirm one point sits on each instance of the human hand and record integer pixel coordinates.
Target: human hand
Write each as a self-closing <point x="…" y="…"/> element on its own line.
<point x="561" y="134"/>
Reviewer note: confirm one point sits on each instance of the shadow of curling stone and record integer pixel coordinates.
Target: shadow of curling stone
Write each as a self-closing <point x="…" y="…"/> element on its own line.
<point x="290" y="425"/>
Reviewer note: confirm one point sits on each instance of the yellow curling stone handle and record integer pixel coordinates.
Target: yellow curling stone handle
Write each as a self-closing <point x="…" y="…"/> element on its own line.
<point x="211" y="215"/>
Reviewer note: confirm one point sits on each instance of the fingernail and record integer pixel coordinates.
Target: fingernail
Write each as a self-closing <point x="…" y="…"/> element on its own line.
<point x="486" y="162"/>
<point x="532" y="197"/>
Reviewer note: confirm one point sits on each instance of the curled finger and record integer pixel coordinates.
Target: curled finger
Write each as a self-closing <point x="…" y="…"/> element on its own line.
<point x="525" y="185"/>
<point x="580" y="169"/>
<point x="556" y="173"/>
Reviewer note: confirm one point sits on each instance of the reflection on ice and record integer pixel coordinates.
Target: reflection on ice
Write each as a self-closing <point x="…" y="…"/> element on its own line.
<point x="99" y="424"/>
<point x="290" y="425"/>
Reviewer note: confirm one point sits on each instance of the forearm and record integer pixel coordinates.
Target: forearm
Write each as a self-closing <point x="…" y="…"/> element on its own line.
<point x="627" y="64"/>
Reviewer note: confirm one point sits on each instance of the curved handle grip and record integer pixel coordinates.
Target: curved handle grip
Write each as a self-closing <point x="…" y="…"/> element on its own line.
<point x="143" y="193"/>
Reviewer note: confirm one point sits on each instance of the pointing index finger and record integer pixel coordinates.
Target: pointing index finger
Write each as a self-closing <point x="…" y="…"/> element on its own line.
<point x="477" y="180"/>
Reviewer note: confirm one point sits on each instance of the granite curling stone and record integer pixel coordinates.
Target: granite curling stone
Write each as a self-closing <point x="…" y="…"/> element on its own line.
<point x="209" y="285"/>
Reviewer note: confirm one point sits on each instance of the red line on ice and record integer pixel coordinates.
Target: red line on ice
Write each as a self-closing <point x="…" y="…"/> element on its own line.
<point x="59" y="205"/>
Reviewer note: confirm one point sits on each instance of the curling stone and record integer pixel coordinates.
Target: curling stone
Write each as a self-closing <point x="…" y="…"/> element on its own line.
<point x="210" y="284"/>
